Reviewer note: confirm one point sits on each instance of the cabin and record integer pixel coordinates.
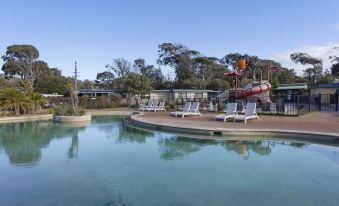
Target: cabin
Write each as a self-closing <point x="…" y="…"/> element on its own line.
<point x="183" y="95"/>
<point x="325" y="88"/>
<point x="291" y="89"/>
<point x="326" y="93"/>
<point x="96" y="92"/>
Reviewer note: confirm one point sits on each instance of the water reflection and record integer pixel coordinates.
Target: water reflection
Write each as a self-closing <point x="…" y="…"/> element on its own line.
<point x="22" y="142"/>
<point x="74" y="148"/>
<point x="132" y="135"/>
<point x="173" y="147"/>
<point x="244" y="148"/>
<point x="180" y="147"/>
<point x="114" y="128"/>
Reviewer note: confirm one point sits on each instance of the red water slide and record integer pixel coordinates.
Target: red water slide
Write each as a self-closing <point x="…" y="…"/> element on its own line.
<point x="255" y="90"/>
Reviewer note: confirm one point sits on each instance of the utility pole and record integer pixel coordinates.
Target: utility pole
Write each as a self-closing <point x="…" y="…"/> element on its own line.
<point x="75" y="99"/>
<point x="76" y="77"/>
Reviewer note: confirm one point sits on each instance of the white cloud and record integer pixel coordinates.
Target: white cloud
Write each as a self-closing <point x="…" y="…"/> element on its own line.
<point x="322" y="52"/>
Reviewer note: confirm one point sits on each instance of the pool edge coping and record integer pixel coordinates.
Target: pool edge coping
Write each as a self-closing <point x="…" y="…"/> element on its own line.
<point x="302" y="134"/>
<point x="39" y="117"/>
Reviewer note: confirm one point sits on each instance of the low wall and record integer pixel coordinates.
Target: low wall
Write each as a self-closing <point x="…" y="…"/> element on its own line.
<point x="37" y="117"/>
<point x="108" y="112"/>
<point x="83" y="118"/>
<point x="26" y="118"/>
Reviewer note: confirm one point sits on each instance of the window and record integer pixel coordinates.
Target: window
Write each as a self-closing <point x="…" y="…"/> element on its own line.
<point x="198" y="95"/>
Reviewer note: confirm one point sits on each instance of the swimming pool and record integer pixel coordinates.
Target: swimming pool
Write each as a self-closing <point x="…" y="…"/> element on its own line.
<point x="106" y="163"/>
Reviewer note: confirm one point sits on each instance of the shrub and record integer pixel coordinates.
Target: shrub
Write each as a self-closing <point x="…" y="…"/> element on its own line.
<point x="67" y="110"/>
<point x="37" y="100"/>
<point x="171" y="106"/>
<point x="100" y="101"/>
<point x="86" y="102"/>
<point x="81" y="111"/>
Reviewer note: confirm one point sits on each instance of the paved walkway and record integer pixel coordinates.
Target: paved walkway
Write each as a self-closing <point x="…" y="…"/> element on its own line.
<point x="318" y="123"/>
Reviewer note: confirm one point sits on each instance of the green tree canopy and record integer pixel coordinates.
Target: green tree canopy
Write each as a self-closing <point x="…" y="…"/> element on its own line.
<point x="19" y="61"/>
<point x="335" y="65"/>
<point x="42" y="70"/>
<point x="120" y="67"/>
<point x="53" y="84"/>
<point x="306" y="59"/>
<point x="136" y="84"/>
<point x="335" y="70"/>
<point x="87" y="84"/>
<point x="154" y="74"/>
<point x="313" y="74"/>
<point x="326" y="78"/>
<point x="210" y="72"/>
<point x="105" y="80"/>
<point x="180" y="58"/>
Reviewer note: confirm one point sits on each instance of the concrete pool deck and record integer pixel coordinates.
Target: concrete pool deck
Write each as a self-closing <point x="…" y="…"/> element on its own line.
<point x="314" y="125"/>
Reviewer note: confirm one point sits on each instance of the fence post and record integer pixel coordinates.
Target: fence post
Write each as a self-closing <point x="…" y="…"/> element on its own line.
<point x="319" y="102"/>
<point x="336" y="96"/>
<point x="298" y="105"/>
<point x="309" y="102"/>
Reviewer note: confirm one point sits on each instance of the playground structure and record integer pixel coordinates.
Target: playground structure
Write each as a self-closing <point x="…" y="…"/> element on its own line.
<point x="254" y="91"/>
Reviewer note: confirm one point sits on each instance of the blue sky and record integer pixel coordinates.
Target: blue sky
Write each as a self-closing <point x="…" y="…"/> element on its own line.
<point x="95" y="32"/>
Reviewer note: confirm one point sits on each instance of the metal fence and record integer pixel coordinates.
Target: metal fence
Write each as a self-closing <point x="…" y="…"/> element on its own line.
<point x="289" y="105"/>
<point x="294" y="105"/>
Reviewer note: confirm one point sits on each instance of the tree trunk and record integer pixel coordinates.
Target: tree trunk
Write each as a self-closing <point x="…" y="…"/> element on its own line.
<point x="36" y="108"/>
<point x="137" y="100"/>
<point x="16" y="111"/>
<point x="73" y="105"/>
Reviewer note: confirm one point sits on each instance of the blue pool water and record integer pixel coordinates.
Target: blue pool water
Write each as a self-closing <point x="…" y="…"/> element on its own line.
<point x="105" y="163"/>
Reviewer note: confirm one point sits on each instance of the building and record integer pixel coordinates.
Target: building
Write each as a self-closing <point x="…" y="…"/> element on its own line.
<point x="325" y="88"/>
<point x="291" y="89"/>
<point x="326" y="93"/>
<point x="96" y="92"/>
<point x="183" y="95"/>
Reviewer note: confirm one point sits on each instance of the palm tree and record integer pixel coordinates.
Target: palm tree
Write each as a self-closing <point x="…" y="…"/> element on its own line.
<point x="14" y="100"/>
<point x="26" y="86"/>
<point x="37" y="100"/>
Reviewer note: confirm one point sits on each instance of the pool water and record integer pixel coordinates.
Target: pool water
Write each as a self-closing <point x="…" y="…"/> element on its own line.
<point x="106" y="163"/>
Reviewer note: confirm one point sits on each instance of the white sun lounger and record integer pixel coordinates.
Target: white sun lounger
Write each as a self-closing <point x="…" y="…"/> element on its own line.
<point x="230" y="113"/>
<point x="153" y="107"/>
<point x="250" y="113"/>
<point x="160" y="107"/>
<point x="192" y="112"/>
<point x="186" y="108"/>
<point x="146" y="107"/>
